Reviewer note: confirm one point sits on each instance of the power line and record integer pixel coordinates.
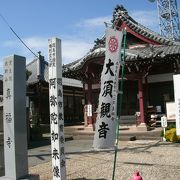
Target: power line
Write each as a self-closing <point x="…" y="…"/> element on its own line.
<point x="17" y="35"/>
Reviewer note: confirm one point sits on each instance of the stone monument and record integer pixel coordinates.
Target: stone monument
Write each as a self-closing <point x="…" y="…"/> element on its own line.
<point x="14" y="116"/>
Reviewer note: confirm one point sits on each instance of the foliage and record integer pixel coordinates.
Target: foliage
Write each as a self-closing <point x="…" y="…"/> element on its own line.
<point x="35" y="133"/>
<point x="171" y="136"/>
<point x="168" y="128"/>
<point x="28" y="74"/>
<point x="162" y="133"/>
<point x="35" y="130"/>
<point x="35" y="121"/>
<point x="171" y="126"/>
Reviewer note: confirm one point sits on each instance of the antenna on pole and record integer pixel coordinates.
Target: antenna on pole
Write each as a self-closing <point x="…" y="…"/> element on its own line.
<point x="168" y="18"/>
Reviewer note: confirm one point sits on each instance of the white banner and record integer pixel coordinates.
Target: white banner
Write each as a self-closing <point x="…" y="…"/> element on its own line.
<point x="56" y="110"/>
<point x="105" y="130"/>
<point x="177" y="101"/>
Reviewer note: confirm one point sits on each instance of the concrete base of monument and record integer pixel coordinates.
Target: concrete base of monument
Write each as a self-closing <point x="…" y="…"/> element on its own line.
<point x="142" y="127"/>
<point x="1" y="171"/>
<point x="1" y="154"/>
<point x="28" y="177"/>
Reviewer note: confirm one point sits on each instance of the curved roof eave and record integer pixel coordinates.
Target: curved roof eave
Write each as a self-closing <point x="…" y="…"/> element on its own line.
<point x="120" y="15"/>
<point x="76" y="65"/>
<point x="150" y="52"/>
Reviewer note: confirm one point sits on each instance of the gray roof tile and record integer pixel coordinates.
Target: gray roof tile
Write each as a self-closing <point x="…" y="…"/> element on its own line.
<point x="121" y="15"/>
<point x="32" y="67"/>
<point x="132" y="55"/>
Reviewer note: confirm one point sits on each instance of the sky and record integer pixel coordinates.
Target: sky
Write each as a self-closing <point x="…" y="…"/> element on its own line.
<point x="76" y="22"/>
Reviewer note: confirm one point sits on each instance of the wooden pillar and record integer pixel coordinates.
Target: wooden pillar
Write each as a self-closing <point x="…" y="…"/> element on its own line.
<point x="141" y="100"/>
<point x="39" y="115"/>
<point x="142" y="126"/>
<point x="146" y="92"/>
<point x="84" y="106"/>
<point x="89" y="93"/>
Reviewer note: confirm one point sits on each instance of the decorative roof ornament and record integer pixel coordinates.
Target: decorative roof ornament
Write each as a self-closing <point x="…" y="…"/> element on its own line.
<point x="161" y="46"/>
<point x="99" y="43"/>
<point x="119" y="10"/>
<point x="121" y="16"/>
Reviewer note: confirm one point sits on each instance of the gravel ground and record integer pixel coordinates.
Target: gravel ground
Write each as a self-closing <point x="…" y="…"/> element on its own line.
<point x="154" y="160"/>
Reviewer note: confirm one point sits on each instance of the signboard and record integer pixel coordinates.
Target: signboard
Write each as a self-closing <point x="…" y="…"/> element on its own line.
<point x="171" y="110"/>
<point x="158" y="109"/>
<point x="107" y="117"/>
<point x="164" y="121"/>
<point x="177" y="101"/>
<point x="56" y="110"/>
<point x="89" y="110"/>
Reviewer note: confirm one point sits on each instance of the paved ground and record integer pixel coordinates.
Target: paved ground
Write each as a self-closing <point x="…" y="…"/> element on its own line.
<point x="154" y="160"/>
<point x="42" y="154"/>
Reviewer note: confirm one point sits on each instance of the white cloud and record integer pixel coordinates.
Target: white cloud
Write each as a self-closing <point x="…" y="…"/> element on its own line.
<point x="95" y="22"/>
<point x="74" y="49"/>
<point x="146" y="18"/>
<point x="74" y="46"/>
<point x="36" y="42"/>
<point x="9" y="44"/>
<point x="32" y="42"/>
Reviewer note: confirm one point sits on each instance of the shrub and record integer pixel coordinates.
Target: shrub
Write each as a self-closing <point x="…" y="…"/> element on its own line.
<point x="162" y="133"/>
<point x="171" y="136"/>
<point x="170" y="126"/>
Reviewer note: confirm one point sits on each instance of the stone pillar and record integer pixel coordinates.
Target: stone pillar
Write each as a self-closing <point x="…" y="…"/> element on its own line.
<point x="1" y="118"/>
<point x="142" y="126"/>
<point x="1" y="155"/>
<point x="1" y="138"/>
<point x="56" y="110"/>
<point x="15" y="131"/>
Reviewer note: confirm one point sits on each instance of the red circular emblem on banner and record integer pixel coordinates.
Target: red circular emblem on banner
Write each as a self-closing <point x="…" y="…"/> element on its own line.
<point x="113" y="44"/>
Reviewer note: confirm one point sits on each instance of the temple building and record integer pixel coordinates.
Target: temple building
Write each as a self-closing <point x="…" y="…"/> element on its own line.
<point x="38" y="95"/>
<point x="150" y="63"/>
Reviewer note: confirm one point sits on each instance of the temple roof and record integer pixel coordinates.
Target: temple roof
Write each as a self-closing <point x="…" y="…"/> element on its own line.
<point x="132" y="55"/>
<point x="36" y="76"/>
<point x="43" y="74"/>
<point x="160" y="48"/>
<point x="138" y="55"/>
<point x="120" y="16"/>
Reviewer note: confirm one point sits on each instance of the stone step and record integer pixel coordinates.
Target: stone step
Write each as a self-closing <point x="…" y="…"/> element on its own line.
<point x="123" y="135"/>
<point x="121" y="138"/>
